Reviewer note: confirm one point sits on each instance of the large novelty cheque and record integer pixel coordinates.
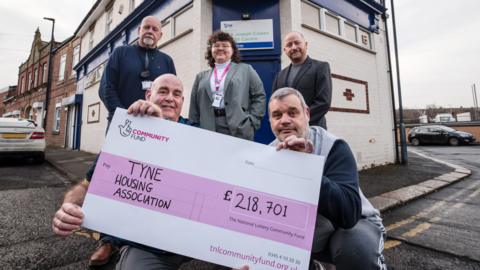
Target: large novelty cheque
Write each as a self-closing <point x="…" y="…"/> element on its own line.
<point x="204" y="195"/>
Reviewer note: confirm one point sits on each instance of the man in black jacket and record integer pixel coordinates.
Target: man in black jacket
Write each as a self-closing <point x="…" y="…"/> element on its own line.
<point x="309" y="76"/>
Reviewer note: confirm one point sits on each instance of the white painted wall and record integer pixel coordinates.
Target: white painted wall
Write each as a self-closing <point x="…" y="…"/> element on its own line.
<point x="369" y="135"/>
<point x="92" y="134"/>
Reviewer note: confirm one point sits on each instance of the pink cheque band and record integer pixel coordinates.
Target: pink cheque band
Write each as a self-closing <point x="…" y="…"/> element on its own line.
<point x="203" y="200"/>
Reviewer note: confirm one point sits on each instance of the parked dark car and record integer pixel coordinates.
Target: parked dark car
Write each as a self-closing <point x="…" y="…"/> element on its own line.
<point x="439" y="135"/>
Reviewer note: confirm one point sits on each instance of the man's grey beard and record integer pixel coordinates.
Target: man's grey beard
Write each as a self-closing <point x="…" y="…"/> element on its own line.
<point x="148" y="41"/>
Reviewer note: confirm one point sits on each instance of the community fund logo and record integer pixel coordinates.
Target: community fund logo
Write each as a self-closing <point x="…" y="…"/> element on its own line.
<point x="125" y="129"/>
<point x="140" y="135"/>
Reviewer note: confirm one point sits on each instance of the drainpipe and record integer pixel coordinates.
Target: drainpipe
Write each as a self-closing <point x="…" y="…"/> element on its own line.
<point x="49" y="80"/>
<point x="392" y="90"/>
<point x="403" y="141"/>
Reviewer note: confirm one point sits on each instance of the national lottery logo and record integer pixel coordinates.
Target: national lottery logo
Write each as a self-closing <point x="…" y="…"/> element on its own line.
<point x="127" y="131"/>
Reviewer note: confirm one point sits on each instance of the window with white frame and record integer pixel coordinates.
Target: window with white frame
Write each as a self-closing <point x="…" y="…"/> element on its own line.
<point x="131" y="5"/>
<point x="310" y="15"/>
<point x="56" y="123"/>
<point x="90" y="38"/>
<point x="324" y="21"/>
<point x="61" y="72"/>
<point x="177" y="24"/>
<point x="332" y="23"/>
<point x="109" y="20"/>
<point x="350" y="32"/>
<point x="183" y="21"/>
<point x="76" y="57"/>
<point x="45" y="73"/>
<point x="167" y="30"/>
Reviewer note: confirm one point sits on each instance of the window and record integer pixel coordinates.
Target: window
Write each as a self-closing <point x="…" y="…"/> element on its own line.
<point x="131" y="6"/>
<point x="176" y="25"/>
<point x="109" y="20"/>
<point x="183" y="21"/>
<point x="35" y="77"/>
<point x="90" y="38"/>
<point x="21" y="85"/>
<point x="167" y="31"/>
<point x="61" y="72"/>
<point x="332" y="24"/>
<point x="45" y="73"/>
<point x="310" y="15"/>
<point x="76" y="58"/>
<point x="350" y="32"/>
<point x="56" y="123"/>
<point x="29" y="81"/>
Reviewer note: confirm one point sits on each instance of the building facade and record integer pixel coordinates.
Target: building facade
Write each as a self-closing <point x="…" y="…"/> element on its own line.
<point x="64" y="106"/>
<point x="349" y="34"/>
<point x="29" y="99"/>
<point x="94" y="31"/>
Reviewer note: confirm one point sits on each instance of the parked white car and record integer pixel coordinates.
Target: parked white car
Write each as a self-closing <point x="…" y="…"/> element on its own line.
<point x="21" y="137"/>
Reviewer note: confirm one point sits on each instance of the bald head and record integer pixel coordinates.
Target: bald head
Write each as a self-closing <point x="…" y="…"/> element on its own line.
<point x="149" y="32"/>
<point x="295" y="47"/>
<point x="167" y="93"/>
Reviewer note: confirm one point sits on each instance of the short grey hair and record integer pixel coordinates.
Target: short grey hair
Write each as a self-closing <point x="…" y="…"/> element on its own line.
<point x="285" y="91"/>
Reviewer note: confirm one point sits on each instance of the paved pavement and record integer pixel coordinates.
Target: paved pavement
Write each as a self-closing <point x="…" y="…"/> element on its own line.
<point x="385" y="186"/>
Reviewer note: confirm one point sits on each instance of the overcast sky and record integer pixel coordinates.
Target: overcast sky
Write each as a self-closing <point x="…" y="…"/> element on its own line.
<point x="439" y="44"/>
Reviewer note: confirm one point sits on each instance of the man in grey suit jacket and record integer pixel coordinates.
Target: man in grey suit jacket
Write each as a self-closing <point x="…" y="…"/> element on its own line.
<point x="309" y="76"/>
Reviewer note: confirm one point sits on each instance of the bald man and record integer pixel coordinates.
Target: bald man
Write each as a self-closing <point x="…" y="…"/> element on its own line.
<point x="309" y="76"/>
<point x="165" y="100"/>
<point x="131" y="69"/>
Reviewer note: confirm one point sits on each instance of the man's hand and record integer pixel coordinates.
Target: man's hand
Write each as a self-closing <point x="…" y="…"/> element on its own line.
<point x="296" y="144"/>
<point x="67" y="219"/>
<point x="142" y="107"/>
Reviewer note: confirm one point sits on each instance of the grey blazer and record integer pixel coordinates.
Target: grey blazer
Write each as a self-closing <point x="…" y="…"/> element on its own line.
<point x="315" y="83"/>
<point x="244" y="98"/>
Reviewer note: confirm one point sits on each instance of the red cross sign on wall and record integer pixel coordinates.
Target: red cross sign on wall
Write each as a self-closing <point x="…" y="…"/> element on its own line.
<point x="348" y="94"/>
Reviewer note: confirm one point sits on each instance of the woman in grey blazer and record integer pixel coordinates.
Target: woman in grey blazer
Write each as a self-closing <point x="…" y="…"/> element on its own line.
<point x="229" y="98"/>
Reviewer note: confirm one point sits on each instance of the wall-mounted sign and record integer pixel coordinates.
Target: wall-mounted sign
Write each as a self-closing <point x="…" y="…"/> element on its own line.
<point x="250" y="34"/>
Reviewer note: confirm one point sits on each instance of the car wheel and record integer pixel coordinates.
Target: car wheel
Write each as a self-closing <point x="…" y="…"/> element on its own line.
<point x="415" y="141"/>
<point x="453" y="141"/>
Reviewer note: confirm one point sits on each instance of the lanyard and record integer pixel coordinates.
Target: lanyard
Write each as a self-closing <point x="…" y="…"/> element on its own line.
<point x="217" y="81"/>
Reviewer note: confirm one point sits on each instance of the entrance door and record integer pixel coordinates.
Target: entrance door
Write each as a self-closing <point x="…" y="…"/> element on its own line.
<point x="70" y="134"/>
<point x="266" y="61"/>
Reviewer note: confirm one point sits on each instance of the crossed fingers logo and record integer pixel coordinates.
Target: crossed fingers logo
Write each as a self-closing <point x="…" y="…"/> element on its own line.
<point x="125" y="129"/>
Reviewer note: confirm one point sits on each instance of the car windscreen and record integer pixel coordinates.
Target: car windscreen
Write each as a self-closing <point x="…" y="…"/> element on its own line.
<point x="447" y="128"/>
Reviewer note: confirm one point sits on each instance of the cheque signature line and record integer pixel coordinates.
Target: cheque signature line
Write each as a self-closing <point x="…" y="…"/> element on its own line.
<point x="279" y="173"/>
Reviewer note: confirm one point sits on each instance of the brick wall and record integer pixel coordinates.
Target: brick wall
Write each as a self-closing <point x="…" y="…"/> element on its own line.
<point x="60" y="89"/>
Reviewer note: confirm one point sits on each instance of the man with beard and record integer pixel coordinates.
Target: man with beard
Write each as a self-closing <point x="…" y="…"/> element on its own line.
<point x="131" y="69"/>
<point x="128" y="74"/>
<point x="309" y="76"/>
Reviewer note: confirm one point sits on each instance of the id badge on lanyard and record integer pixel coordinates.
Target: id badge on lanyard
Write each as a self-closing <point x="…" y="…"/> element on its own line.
<point x="146" y="85"/>
<point x="218" y="96"/>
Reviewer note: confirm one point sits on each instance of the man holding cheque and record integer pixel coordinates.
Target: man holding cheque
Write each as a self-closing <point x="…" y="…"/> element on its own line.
<point x="349" y="231"/>
<point x="164" y="99"/>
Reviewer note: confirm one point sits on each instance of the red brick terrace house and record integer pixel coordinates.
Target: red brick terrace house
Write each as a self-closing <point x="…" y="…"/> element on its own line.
<point x="63" y="105"/>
